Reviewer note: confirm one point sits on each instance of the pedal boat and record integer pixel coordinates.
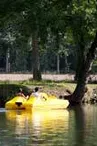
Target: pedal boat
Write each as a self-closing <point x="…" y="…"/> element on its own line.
<point x="46" y="102"/>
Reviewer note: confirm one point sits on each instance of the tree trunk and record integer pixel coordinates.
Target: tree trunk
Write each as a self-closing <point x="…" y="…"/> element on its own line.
<point x="58" y="64"/>
<point x="58" y="55"/>
<point x="7" y="61"/>
<point x="35" y="56"/>
<point x="83" y="73"/>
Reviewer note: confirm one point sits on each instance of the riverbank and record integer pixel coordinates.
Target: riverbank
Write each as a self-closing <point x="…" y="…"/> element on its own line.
<point x="58" y="85"/>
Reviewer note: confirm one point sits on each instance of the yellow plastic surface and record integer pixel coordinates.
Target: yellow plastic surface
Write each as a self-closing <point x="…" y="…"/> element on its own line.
<point x="46" y="102"/>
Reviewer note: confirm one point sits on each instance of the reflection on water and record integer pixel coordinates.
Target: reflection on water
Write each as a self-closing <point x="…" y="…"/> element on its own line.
<point x="38" y="120"/>
<point x="38" y="127"/>
<point x="83" y="126"/>
<point x="72" y="127"/>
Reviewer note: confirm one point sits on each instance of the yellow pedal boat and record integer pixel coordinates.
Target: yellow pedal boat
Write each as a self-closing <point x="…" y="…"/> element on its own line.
<point x="47" y="102"/>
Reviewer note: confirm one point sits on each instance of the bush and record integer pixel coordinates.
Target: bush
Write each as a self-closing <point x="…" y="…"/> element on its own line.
<point x="8" y="91"/>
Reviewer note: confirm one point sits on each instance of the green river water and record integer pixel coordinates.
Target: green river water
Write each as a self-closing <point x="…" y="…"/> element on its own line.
<point x="70" y="127"/>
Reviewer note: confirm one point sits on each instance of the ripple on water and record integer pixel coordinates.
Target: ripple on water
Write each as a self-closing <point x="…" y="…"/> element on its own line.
<point x="2" y="110"/>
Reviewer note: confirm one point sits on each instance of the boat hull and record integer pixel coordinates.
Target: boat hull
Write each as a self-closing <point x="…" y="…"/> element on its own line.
<point x="35" y="103"/>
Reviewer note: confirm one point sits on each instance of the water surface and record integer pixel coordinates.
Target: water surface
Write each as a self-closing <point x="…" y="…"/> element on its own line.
<point x="72" y="127"/>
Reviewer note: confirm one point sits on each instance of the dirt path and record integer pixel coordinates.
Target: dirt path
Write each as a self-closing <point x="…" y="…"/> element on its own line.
<point x="54" y="77"/>
<point x="21" y="77"/>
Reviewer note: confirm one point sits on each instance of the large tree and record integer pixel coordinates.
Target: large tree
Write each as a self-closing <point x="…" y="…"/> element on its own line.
<point x="35" y="17"/>
<point x="83" y="23"/>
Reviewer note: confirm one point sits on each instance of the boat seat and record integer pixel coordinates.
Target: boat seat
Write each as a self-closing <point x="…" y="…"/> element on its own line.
<point x="18" y="103"/>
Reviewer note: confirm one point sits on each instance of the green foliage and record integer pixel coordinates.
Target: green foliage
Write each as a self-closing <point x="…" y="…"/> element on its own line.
<point x="63" y="27"/>
<point x="8" y="91"/>
<point x="82" y="16"/>
<point x="94" y="67"/>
